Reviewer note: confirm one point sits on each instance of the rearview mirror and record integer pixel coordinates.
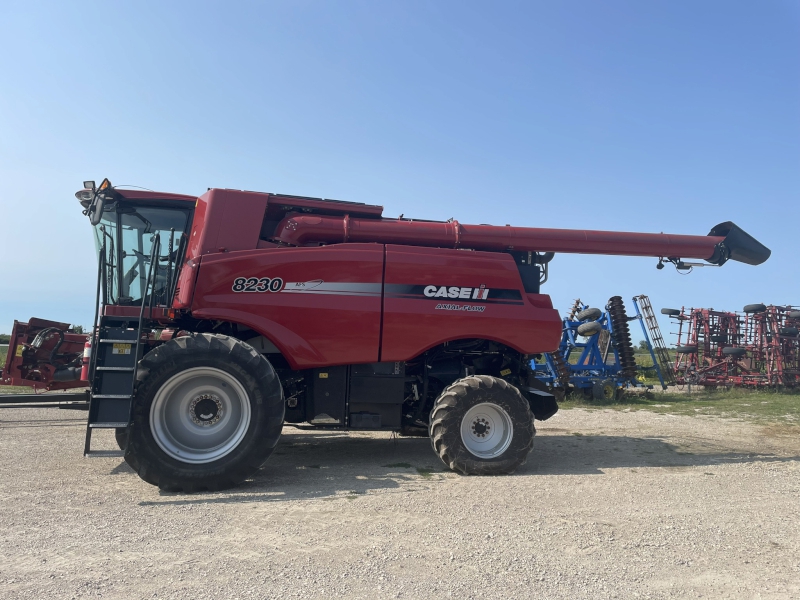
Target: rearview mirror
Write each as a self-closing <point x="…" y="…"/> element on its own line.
<point x="96" y="209"/>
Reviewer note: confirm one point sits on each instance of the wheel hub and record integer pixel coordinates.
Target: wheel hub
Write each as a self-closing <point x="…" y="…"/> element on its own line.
<point x="481" y="427"/>
<point x="200" y="415"/>
<point x="206" y="410"/>
<point x="487" y="430"/>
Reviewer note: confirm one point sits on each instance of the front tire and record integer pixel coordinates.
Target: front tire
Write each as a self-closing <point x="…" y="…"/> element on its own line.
<point x="482" y="425"/>
<point x="121" y="436"/>
<point x="208" y="411"/>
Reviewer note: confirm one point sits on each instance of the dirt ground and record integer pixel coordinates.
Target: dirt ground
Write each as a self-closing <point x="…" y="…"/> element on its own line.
<point x="609" y="505"/>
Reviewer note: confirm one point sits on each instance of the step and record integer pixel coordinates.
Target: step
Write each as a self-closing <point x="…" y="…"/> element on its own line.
<point x="128" y="369"/>
<point x="105" y="454"/>
<point x="111" y="341"/>
<point x="109" y="410"/>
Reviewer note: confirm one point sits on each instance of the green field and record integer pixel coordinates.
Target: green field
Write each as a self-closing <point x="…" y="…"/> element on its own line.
<point x="766" y="406"/>
<point x="10" y="389"/>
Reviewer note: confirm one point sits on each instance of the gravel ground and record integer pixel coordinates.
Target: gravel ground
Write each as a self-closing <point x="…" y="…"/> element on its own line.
<point x="609" y="505"/>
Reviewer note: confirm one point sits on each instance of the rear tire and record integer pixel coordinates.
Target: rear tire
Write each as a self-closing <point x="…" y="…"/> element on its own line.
<point x="482" y="425"/>
<point x="208" y="411"/>
<point x="686" y="349"/>
<point x="671" y="312"/>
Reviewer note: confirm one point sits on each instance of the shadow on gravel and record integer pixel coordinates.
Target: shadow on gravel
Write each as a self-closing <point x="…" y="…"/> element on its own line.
<point x="122" y="469"/>
<point x="330" y="465"/>
<point x="338" y="466"/>
<point x="591" y="454"/>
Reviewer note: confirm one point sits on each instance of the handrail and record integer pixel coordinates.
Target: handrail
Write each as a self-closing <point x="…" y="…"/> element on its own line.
<point x="168" y="282"/>
<point x="151" y="280"/>
<point x="98" y="302"/>
<point x="172" y="284"/>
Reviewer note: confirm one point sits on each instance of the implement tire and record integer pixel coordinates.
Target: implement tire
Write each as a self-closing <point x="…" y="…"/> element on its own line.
<point x="604" y="390"/>
<point x="208" y="411"/>
<point x="754" y="308"/>
<point x="730" y="351"/>
<point x="482" y="425"/>
<point x="590" y="314"/>
<point x="589" y="329"/>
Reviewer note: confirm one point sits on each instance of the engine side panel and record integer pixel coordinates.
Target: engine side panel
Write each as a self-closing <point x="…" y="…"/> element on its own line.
<point x="433" y="295"/>
<point x="326" y="310"/>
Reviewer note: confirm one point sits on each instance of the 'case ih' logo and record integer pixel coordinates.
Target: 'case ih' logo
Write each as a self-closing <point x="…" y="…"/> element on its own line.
<point x="462" y="293"/>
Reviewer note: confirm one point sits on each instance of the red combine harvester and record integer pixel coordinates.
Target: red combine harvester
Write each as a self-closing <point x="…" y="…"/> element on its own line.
<point x="758" y="348"/>
<point x="220" y="318"/>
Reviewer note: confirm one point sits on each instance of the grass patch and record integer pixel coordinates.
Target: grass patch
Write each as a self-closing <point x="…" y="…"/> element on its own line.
<point x="15" y="389"/>
<point x="760" y="405"/>
<point x="11" y="389"/>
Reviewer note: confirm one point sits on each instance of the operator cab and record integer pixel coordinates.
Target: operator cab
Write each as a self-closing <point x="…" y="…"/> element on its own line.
<point x="126" y="226"/>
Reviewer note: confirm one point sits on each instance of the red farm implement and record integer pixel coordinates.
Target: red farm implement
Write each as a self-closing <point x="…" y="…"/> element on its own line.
<point x="758" y="347"/>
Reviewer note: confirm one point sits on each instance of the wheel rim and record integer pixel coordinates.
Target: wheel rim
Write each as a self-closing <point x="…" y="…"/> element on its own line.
<point x="200" y="415"/>
<point x="486" y="430"/>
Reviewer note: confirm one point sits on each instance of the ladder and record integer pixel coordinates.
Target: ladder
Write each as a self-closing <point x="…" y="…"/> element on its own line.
<point x="655" y="341"/>
<point x="116" y="351"/>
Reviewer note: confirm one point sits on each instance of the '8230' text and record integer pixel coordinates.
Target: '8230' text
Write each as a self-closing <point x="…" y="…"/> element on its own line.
<point x="257" y="284"/>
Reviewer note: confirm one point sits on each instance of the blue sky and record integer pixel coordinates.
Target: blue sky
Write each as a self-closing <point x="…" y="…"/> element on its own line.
<point x="638" y="116"/>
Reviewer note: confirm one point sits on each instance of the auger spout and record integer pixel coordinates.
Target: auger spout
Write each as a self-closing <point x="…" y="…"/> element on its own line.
<point x="725" y="242"/>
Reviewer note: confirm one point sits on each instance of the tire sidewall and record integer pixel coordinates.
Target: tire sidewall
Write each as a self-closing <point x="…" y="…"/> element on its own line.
<point x="589" y="329"/>
<point x="589" y="314"/>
